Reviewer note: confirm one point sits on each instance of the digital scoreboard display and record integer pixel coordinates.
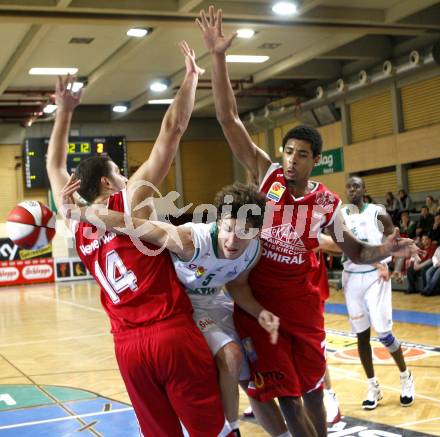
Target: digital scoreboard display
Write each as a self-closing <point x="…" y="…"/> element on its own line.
<point x="79" y="148"/>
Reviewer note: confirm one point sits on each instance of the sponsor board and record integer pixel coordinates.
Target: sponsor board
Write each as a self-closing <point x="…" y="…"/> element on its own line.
<point x="10" y="251"/>
<point x="342" y="346"/>
<point x="26" y="272"/>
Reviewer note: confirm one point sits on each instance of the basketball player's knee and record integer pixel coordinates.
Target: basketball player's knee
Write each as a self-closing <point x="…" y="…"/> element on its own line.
<point x="314" y="397"/>
<point x="389" y="341"/>
<point x="229" y="359"/>
<point x="363" y="337"/>
<point x="292" y="404"/>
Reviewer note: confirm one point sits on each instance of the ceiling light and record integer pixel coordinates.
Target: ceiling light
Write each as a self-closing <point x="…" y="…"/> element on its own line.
<point x="160" y="101"/>
<point x="159" y="86"/>
<point x="245" y="33"/>
<point x="53" y="71"/>
<point x="49" y="109"/>
<point x="247" y="58"/>
<point x="120" y="108"/>
<point x="75" y="87"/>
<point x="284" y="8"/>
<point x="137" y="32"/>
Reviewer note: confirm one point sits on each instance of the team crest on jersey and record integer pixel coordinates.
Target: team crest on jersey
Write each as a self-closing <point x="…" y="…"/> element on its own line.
<point x="325" y="198"/>
<point x="200" y="271"/>
<point x="276" y="191"/>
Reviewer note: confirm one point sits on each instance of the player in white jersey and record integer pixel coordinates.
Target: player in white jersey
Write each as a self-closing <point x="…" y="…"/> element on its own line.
<point x="206" y="258"/>
<point x="367" y="290"/>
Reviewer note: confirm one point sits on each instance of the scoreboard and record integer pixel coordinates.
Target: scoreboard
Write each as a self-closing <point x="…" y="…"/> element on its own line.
<point x="79" y="148"/>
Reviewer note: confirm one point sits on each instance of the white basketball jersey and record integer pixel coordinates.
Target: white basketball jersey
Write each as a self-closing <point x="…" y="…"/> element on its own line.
<point x="206" y="273"/>
<point x="365" y="226"/>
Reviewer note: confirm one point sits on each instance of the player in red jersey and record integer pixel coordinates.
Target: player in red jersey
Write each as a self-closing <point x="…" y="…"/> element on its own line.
<point x="295" y="366"/>
<point x="163" y="358"/>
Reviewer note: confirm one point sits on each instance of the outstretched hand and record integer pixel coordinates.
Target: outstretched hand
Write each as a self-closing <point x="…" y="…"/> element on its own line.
<point x="65" y="98"/>
<point x="270" y="322"/>
<point x="67" y="200"/>
<point x="212" y="33"/>
<point x="396" y="246"/>
<point x="190" y="59"/>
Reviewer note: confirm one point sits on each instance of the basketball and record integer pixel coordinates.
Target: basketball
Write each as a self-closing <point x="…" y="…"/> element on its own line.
<point x="31" y="225"/>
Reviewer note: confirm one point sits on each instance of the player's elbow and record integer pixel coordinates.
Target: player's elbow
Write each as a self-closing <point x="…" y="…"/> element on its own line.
<point x="227" y="118"/>
<point x="175" y="127"/>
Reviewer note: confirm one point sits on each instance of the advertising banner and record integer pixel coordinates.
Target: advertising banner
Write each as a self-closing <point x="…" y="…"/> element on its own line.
<point x="33" y="271"/>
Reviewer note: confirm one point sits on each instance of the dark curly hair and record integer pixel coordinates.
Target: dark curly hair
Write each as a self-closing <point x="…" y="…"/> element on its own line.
<point x="305" y="133"/>
<point x="232" y="197"/>
<point x="89" y="172"/>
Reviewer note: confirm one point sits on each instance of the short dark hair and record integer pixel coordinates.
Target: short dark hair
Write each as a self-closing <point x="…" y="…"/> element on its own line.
<point x="242" y="194"/>
<point x="357" y="177"/>
<point x="427" y="235"/>
<point x="89" y="172"/>
<point x="305" y="133"/>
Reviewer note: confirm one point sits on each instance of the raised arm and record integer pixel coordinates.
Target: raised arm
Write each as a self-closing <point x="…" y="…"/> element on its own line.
<point x="249" y="154"/>
<point x="177" y="239"/>
<point x="66" y="102"/>
<point x="174" y="125"/>
<point x="363" y="253"/>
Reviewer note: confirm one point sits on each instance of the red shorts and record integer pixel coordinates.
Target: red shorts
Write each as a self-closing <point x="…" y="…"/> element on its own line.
<point x="296" y="364"/>
<point x="170" y="374"/>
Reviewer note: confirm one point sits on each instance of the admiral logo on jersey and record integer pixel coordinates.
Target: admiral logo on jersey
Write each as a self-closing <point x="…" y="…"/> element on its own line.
<point x="276" y="191"/>
<point x="282" y="244"/>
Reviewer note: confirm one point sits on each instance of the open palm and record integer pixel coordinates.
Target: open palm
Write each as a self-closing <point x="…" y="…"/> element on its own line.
<point x="65" y="99"/>
<point x="212" y="33"/>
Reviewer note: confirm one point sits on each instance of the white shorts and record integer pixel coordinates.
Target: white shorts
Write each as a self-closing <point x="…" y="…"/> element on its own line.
<point x="368" y="301"/>
<point x="213" y="316"/>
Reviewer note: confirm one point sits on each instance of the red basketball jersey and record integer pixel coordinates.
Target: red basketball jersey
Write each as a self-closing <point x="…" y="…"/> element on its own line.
<point x="136" y="289"/>
<point x="290" y="233"/>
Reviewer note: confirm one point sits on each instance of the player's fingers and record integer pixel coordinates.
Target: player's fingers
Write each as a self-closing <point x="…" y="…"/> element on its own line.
<point x="274" y="337"/>
<point x="219" y="21"/>
<point x="231" y="38"/>
<point x="211" y="16"/>
<point x="201" y="26"/>
<point x="203" y="18"/>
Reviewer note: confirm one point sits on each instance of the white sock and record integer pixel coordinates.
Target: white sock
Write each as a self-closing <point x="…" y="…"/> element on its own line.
<point x="235" y="424"/>
<point x="373" y="381"/>
<point x="404" y="374"/>
<point x="285" y="434"/>
<point x="226" y="429"/>
<point x="329" y="391"/>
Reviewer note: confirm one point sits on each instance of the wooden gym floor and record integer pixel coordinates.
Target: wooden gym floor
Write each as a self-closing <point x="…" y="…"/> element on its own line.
<point x="58" y="374"/>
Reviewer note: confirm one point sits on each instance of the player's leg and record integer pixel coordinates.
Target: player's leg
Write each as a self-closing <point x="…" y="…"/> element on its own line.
<point x="355" y="290"/>
<point x="268" y="415"/>
<point x="153" y="410"/>
<point x="229" y="360"/>
<point x="187" y="369"/>
<point x="297" y="420"/>
<point x="214" y="320"/>
<point x="380" y="307"/>
<point x="308" y="349"/>
<point x="314" y="405"/>
<point x="272" y="372"/>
